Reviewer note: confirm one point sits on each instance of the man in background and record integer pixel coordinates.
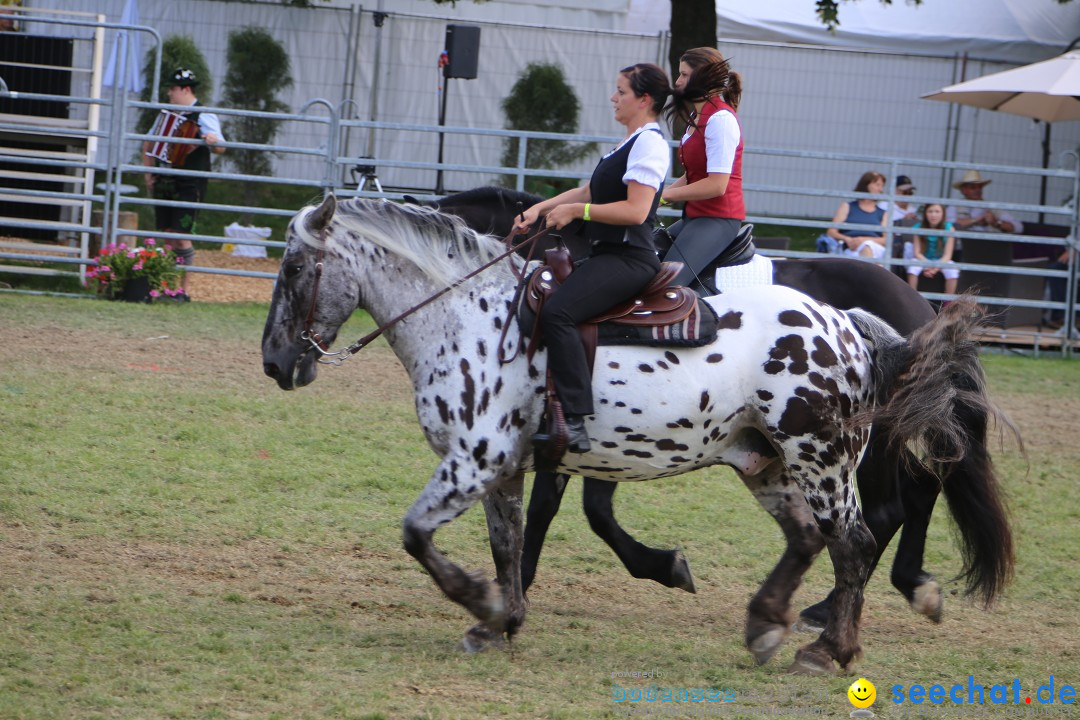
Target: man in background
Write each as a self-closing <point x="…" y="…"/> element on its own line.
<point x="168" y="189"/>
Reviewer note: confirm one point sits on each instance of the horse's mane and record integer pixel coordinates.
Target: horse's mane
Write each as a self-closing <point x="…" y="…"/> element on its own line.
<point x="440" y="245"/>
<point x="487" y="194"/>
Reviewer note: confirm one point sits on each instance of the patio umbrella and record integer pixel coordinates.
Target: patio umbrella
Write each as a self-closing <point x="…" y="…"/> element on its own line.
<point x="1046" y="90"/>
<point x="123" y="67"/>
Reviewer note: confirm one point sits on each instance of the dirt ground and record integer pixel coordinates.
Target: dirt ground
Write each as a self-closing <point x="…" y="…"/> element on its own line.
<point x="207" y="287"/>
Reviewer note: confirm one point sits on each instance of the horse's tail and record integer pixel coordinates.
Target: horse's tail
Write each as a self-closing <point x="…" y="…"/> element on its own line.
<point x="933" y="395"/>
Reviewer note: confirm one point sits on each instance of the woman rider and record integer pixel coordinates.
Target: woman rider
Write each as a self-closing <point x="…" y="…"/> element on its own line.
<point x="619" y="208"/>
<point x="707" y="94"/>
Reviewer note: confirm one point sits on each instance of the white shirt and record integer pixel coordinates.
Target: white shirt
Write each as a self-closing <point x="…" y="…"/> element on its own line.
<point x="650" y="157"/>
<point x="958" y="211"/>
<point x="209" y="123"/>
<point x="722" y="136"/>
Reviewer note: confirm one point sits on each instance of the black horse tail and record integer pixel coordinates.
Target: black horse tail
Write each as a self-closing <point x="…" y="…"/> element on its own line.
<point x="933" y="396"/>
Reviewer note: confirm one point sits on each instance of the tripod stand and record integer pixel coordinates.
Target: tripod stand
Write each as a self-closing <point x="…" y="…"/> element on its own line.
<point x="366" y="174"/>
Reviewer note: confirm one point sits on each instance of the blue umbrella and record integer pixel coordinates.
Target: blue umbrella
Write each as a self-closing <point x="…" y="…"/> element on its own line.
<point x="123" y="68"/>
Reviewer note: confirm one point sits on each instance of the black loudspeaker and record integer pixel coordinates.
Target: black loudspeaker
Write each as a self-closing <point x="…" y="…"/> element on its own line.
<point x="463" y="51"/>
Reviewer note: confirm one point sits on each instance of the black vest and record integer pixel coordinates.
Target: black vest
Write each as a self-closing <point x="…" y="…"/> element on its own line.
<point x="606" y="186"/>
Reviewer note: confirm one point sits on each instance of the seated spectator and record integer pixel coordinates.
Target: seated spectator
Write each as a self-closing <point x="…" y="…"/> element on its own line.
<point x="934" y="248"/>
<point x="979" y="219"/>
<point x="904" y="214"/>
<point x="868" y="243"/>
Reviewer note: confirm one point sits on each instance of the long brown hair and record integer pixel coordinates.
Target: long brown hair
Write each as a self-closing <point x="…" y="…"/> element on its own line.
<point x="710" y="75"/>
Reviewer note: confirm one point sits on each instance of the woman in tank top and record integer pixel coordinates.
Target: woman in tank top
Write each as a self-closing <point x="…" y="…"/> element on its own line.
<point x="868" y="243"/>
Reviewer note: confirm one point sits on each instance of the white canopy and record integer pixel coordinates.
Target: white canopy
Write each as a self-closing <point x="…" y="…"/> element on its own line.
<point x="1018" y="31"/>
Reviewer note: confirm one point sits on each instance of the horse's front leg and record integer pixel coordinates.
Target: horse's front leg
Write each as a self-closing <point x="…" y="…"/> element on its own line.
<point x="667" y="567"/>
<point x="457" y="484"/>
<point x="503" y="508"/>
<point x="547" y="492"/>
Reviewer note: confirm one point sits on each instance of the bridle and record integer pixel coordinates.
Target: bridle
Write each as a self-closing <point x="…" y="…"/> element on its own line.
<point x="332" y="357"/>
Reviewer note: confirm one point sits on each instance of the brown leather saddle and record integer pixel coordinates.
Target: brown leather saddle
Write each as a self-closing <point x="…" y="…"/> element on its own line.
<point x="659" y="304"/>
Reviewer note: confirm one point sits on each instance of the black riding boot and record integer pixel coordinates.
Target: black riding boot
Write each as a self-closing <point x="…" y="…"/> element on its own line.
<point x="577" y="437"/>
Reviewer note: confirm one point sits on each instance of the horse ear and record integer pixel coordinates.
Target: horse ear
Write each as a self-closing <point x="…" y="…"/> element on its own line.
<point x="410" y="200"/>
<point x="322" y="216"/>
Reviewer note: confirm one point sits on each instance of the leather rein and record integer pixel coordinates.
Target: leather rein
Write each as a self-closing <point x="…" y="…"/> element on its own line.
<point x="331" y="357"/>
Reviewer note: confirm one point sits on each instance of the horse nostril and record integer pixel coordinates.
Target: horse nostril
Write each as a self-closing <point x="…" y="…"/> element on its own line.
<point x="271" y="369"/>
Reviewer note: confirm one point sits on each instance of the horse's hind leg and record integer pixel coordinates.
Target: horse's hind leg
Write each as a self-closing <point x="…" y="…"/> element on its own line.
<point x="667" y="567"/>
<point x="769" y="613"/>
<point x="851" y="548"/>
<point x="456" y="485"/>
<point x="881" y="490"/>
<point x="502" y="506"/>
<point x="919" y="490"/>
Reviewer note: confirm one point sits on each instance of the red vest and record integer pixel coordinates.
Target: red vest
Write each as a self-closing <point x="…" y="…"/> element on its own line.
<point x="692" y="155"/>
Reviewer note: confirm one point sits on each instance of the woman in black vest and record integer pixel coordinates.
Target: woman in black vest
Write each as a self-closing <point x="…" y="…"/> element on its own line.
<point x="619" y="209"/>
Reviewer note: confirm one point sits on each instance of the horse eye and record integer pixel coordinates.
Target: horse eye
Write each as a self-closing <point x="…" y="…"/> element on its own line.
<point x="293" y="270"/>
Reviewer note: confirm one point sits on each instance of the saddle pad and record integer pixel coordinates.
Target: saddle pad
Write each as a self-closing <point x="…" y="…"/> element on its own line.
<point x="695" y="330"/>
<point x="758" y="271"/>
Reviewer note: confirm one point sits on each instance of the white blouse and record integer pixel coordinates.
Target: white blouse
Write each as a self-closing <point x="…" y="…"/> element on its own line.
<point x="650" y="158"/>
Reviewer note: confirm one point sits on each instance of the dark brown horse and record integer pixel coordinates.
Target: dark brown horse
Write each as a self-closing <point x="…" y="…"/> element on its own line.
<point x="896" y="489"/>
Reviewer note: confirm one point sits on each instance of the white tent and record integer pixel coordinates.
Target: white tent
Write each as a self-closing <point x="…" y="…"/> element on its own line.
<point x="1016" y="31"/>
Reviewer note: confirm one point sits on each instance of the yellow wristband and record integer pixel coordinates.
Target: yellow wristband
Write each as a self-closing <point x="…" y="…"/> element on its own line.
<point x="585" y="215"/>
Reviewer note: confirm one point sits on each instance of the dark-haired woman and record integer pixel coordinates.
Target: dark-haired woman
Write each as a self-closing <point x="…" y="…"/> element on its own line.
<point x="869" y="242"/>
<point x="619" y="208"/>
<point x="707" y="95"/>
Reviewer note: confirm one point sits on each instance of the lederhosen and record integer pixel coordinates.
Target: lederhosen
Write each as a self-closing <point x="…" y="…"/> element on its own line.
<point x="622" y="262"/>
<point x="170" y="218"/>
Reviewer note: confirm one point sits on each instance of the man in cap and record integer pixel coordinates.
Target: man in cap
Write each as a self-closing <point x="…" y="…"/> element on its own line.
<point x="904" y="215"/>
<point x="979" y="219"/>
<point x="168" y="189"/>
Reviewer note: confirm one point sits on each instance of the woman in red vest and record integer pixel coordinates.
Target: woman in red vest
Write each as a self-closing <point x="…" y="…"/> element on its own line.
<point x="707" y="95"/>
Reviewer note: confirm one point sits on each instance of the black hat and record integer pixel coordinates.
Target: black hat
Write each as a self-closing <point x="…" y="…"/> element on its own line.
<point x="182" y="77"/>
<point x="903" y="182"/>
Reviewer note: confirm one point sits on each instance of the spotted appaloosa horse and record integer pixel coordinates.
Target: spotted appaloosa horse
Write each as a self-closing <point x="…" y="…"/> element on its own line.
<point x="783" y="397"/>
<point x="895" y="488"/>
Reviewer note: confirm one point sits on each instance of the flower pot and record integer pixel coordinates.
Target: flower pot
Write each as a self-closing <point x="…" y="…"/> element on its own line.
<point x="136" y="290"/>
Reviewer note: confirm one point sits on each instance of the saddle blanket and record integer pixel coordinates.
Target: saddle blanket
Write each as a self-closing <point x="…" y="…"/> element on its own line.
<point x="758" y="271"/>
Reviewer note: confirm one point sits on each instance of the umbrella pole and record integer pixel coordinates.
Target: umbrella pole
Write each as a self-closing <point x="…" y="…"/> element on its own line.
<point x="1045" y="164"/>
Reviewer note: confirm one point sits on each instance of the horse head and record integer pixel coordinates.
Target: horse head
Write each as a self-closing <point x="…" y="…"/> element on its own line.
<point x="312" y="298"/>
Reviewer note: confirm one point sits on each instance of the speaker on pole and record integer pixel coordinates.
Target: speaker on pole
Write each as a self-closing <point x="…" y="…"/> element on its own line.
<point x="462" y="61"/>
<point x="463" y="50"/>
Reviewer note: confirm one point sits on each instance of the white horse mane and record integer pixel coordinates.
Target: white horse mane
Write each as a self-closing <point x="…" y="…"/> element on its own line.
<point x="440" y="245"/>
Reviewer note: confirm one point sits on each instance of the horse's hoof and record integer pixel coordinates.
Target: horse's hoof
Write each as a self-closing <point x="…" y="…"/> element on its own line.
<point x="480" y="637"/>
<point x="928" y="600"/>
<point x="764" y="646"/>
<point x="681" y="576"/>
<point x="814" y="618"/>
<point x="811" y="663"/>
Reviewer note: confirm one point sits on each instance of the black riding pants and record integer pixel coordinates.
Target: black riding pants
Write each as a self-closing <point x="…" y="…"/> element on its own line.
<point x="611" y="275"/>
<point x="697" y="243"/>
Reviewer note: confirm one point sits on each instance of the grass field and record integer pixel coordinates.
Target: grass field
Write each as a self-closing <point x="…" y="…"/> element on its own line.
<point x="181" y="539"/>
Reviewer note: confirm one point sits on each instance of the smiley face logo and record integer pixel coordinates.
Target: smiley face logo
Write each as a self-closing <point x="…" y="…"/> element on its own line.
<point x="862" y="693"/>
